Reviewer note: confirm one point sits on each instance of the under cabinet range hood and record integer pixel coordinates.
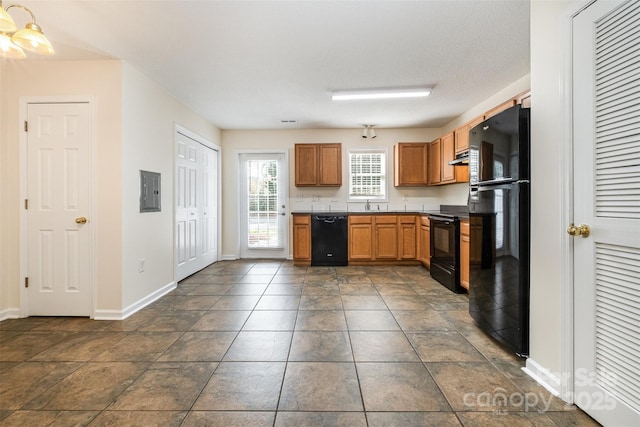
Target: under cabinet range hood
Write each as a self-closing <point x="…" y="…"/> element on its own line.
<point x="461" y="159"/>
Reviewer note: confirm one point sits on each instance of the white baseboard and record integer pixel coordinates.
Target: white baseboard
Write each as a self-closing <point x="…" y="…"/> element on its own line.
<point x="9" y="313"/>
<point x="543" y="376"/>
<point x="228" y="258"/>
<point x="136" y="306"/>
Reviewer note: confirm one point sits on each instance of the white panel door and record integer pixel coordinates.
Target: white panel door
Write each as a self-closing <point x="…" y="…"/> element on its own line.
<point x="187" y="210"/>
<point x="606" y="100"/>
<point x="209" y="168"/>
<point x="58" y="177"/>
<point x="196" y="206"/>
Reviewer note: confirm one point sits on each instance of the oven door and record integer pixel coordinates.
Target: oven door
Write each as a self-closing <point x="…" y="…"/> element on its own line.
<point x="443" y="241"/>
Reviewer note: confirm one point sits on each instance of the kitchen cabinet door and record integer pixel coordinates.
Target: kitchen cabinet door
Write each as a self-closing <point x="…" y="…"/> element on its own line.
<point x="461" y="135"/>
<point x="435" y="162"/>
<point x="318" y="165"/>
<point x="425" y="241"/>
<point x="302" y="239"/>
<point x="464" y="254"/>
<point x="360" y="238"/>
<point x="330" y="165"/>
<point x="447" y="151"/>
<point x="386" y="237"/>
<point x="410" y="164"/>
<point x="407" y="243"/>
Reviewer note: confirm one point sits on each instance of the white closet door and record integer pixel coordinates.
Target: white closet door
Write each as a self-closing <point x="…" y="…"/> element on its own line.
<point x="606" y="100"/>
<point x="196" y="193"/>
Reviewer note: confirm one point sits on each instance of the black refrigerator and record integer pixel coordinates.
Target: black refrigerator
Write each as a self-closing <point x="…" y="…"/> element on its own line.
<point x="499" y="241"/>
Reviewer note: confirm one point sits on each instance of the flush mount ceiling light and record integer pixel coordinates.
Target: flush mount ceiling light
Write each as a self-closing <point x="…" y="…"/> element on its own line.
<point x="347" y="95"/>
<point x="30" y="38"/>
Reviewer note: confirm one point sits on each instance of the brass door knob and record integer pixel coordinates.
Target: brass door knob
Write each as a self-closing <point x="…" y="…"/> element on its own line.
<point x="580" y="230"/>
<point x="81" y="220"/>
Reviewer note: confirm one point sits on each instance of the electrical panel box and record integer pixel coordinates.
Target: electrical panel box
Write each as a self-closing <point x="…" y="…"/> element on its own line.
<point x="149" y="191"/>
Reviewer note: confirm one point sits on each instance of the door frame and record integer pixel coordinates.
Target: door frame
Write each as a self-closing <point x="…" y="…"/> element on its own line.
<point x="178" y="128"/>
<point x="567" y="291"/>
<point x="285" y="153"/>
<point x="92" y="210"/>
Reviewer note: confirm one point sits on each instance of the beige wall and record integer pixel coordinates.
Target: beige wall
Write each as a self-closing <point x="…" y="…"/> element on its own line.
<point x="100" y="81"/>
<point x="149" y="116"/>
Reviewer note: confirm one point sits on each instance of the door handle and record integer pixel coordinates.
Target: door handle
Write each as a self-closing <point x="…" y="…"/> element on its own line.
<point x="580" y="230"/>
<point x="81" y="220"/>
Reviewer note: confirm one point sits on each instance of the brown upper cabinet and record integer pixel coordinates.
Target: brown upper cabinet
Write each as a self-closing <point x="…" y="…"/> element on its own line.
<point x="462" y="134"/>
<point x="435" y="162"/>
<point x="318" y="165"/>
<point x="441" y="152"/>
<point x="499" y="108"/>
<point x="410" y="164"/>
<point x="524" y="99"/>
<point x="447" y="149"/>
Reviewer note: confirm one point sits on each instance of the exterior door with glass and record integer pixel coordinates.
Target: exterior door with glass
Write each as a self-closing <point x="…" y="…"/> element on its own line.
<point x="263" y="180"/>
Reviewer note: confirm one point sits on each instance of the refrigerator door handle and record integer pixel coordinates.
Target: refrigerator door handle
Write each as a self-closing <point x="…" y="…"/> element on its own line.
<point x="496" y="187"/>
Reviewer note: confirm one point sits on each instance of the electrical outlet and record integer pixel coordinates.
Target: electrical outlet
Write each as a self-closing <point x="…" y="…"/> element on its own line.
<point x="141" y="265"/>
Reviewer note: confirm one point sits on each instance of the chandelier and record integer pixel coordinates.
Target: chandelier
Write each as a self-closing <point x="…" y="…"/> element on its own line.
<point x="13" y="41"/>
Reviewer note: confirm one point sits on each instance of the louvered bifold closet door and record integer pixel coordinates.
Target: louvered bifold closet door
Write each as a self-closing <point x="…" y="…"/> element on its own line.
<point x="617" y="198"/>
<point x="618" y="114"/>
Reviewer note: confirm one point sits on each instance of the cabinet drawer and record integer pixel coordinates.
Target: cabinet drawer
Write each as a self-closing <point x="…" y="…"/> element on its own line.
<point x="359" y="219"/>
<point x="386" y="219"/>
<point x="302" y="219"/>
<point x="406" y="219"/>
<point x="424" y="220"/>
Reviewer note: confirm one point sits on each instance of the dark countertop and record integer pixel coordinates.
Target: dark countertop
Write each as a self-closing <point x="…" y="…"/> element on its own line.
<point x="460" y="211"/>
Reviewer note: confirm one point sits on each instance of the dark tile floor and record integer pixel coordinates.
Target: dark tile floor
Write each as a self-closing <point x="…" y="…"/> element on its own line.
<point x="264" y="343"/>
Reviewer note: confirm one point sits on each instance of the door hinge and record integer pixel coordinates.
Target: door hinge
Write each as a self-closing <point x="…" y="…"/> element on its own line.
<point x="26" y="282"/>
<point x="26" y="126"/>
<point x="26" y="204"/>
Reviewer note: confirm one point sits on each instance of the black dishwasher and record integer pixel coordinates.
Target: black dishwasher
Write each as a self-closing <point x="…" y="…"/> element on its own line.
<point x="329" y="239"/>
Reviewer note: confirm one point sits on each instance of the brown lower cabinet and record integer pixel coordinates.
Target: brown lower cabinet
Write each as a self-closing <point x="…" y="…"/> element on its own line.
<point x="302" y="239"/>
<point x="464" y="254"/>
<point x="373" y="239"/>
<point x="424" y="240"/>
<point x="382" y="239"/>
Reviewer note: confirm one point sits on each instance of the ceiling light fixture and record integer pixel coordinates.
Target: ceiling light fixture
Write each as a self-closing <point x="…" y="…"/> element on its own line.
<point x="30" y="38"/>
<point x="368" y="131"/>
<point x="347" y="95"/>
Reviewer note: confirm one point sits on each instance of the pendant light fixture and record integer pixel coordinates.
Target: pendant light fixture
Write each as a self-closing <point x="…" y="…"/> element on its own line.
<point x="13" y="41"/>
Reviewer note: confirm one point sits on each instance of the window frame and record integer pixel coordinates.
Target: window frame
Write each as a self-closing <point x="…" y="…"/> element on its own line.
<point x="385" y="175"/>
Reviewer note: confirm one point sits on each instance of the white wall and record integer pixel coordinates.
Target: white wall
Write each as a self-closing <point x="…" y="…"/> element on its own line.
<point x="134" y="125"/>
<point x="101" y="81"/>
<point x="149" y="114"/>
<point x="547" y="145"/>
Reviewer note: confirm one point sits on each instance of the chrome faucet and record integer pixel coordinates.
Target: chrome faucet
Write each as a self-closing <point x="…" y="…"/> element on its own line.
<point x="367" y="206"/>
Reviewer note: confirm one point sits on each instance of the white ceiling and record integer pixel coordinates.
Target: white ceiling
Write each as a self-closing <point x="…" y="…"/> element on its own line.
<point x="251" y="64"/>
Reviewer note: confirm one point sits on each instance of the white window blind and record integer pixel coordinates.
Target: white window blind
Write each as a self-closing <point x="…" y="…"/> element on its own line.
<point x="367" y="175"/>
<point x="265" y="198"/>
